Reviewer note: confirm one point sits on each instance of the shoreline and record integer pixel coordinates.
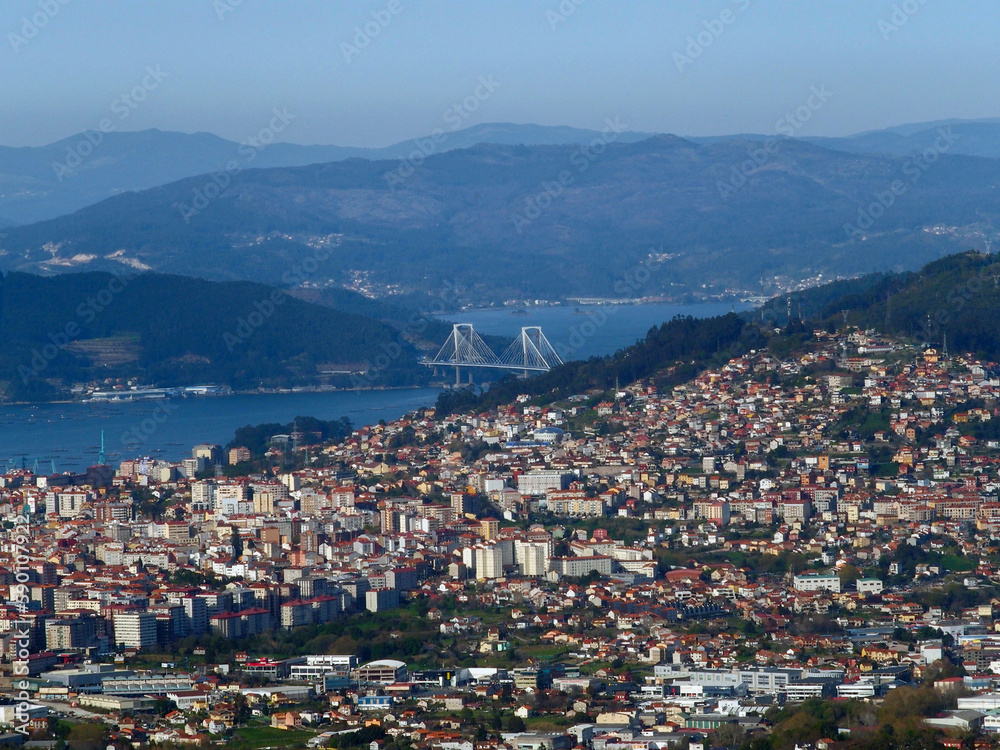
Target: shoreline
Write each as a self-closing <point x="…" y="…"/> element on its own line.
<point x="254" y="392"/>
<point x="606" y="302"/>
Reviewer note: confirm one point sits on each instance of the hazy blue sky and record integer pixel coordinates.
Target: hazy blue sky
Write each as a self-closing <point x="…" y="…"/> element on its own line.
<point x="605" y="59"/>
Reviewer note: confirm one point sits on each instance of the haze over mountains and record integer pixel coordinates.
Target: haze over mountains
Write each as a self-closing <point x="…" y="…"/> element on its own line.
<point x="43" y="182"/>
<point x="548" y="220"/>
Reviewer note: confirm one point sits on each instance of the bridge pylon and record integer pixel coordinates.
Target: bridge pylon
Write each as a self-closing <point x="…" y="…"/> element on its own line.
<point x="530" y="352"/>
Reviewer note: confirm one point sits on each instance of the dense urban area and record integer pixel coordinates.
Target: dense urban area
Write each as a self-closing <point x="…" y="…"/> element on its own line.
<point x="792" y="550"/>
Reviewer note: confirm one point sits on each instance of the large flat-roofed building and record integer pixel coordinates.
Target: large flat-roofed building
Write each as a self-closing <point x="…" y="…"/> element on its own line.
<point x="147" y="684"/>
<point x="117" y="703"/>
<point x="318" y="610"/>
<point x="581" y="566"/>
<point x="91" y="675"/>
<point x="243" y="624"/>
<point x="275" y="669"/>
<point x="869" y="586"/>
<point x="382" y="672"/>
<point x="381" y="599"/>
<point x="71" y="633"/>
<point x="574" y="503"/>
<point x="320" y="665"/>
<point x="817" y="582"/>
<point x="768" y="680"/>
<point x="540" y="481"/>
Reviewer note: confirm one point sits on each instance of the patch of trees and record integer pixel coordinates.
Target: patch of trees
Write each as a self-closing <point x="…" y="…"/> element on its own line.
<point x="312" y="431"/>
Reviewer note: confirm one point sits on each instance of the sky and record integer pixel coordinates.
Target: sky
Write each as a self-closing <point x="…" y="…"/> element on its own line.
<point x="360" y="73"/>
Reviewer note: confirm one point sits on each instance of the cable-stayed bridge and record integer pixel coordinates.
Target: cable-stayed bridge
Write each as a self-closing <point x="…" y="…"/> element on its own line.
<point x="529" y="352"/>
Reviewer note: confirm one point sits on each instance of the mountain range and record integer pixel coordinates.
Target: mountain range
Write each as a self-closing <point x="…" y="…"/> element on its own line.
<point x="502" y="211"/>
<point x="42" y="182"/>
<point x="661" y="216"/>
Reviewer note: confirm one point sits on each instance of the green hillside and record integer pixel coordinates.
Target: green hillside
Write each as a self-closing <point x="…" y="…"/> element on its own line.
<point x="957" y="296"/>
<point x="172" y="330"/>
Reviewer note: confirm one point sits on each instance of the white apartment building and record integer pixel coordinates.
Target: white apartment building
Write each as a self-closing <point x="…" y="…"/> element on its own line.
<point x="817" y="582"/>
<point x="135" y="629"/>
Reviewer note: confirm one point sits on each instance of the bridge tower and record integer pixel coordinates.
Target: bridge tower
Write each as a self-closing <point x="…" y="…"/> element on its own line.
<point x="465" y="347"/>
<point x="531" y="351"/>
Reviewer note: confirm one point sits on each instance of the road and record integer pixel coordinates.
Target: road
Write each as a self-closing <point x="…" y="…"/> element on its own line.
<point x="76" y="712"/>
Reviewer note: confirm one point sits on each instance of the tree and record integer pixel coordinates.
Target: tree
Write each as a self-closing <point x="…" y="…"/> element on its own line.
<point x="729" y="735"/>
<point x="88" y="736"/>
<point x="849" y="574"/>
<point x="512" y="724"/>
<point x="904" y="706"/>
<point x="163" y="706"/>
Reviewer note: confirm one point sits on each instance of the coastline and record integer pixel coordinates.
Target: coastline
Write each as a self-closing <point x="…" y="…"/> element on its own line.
<point x="591" y="302"/>
<point x="166" y="429"/>
<point x="224" y="394"/>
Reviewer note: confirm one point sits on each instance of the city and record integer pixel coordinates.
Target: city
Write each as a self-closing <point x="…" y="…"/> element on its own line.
<point x="652" y="568"/>
<point x="550" y="375"/>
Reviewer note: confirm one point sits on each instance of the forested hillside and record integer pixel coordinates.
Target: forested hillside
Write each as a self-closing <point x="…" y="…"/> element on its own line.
<point x="172" y="330"/>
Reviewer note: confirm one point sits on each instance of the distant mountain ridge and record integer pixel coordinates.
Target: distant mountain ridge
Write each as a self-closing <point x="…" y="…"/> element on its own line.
<point x="661" y="216"/>
<point x="971" y="138"/>
<point x="44" y="182"/>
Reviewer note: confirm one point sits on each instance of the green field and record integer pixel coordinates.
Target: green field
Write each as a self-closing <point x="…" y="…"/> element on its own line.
<point x="266" y="736"/>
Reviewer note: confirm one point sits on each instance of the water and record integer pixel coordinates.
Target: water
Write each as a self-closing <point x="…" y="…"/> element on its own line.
<point x="70" y="434"/>
<point x="580" y="332"/>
